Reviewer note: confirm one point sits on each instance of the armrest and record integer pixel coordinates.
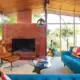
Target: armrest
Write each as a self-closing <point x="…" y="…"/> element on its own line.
<point x="65" y="53"/>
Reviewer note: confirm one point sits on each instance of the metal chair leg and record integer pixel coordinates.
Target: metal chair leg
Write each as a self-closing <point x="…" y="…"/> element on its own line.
<point x="1" y="62"/>
<point x="11" y="66"/>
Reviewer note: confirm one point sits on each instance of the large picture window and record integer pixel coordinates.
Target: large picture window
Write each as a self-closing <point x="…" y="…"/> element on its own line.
<point x="64" y="29"/>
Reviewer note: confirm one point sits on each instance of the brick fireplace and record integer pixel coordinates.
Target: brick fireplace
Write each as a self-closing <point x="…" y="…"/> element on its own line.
<point x="25" y="29"/>
<point x="11" y="31"/>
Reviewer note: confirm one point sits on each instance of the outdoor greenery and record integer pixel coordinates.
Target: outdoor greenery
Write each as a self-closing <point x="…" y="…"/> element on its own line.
<point x="12" y="20"/>
<point x="35" y="17"/>
<point x="51" y="36"/>
<point x="54" y="35"/>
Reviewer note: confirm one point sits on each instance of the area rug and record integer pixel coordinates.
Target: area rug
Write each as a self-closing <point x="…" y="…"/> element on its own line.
<point x="57" y="67"/>
<point x="23" y="67"/>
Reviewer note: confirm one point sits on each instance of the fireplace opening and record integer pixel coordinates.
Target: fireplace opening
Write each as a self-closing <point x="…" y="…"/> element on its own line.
<point x="23" y="45"/>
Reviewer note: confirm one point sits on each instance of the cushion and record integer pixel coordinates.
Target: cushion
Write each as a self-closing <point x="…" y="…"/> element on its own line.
<point x="74" y="51"/>
<point x="78" y="51"/>
<point x="4" y="76"/>
<point x="52" y="77"/>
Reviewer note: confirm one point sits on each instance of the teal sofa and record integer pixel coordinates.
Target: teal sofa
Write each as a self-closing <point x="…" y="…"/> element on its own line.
<point x="44" y="77"/>
<point x="72" y="62"/>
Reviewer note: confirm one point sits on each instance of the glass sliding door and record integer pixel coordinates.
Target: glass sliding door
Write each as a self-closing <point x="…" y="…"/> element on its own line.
<point x="53" y="34"/>
<point x="77" y="35"/>
<point x="53" y="18"/>
<point x="67" y="31"/>
<point x="67" y="36"/>
<point x="64" y="31"/>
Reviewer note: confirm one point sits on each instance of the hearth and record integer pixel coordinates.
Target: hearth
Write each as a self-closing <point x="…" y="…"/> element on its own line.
<point x="23" y="45"/>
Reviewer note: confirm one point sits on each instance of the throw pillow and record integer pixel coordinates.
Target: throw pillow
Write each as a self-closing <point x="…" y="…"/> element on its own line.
<point x="74" y="51"/>
<point x="78" y="51"/>
<point x="3" y="76"/>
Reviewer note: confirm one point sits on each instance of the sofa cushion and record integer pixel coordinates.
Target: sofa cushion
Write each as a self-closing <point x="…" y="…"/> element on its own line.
<point x="74" y="51"/>
<point x="77" y="77"/>
<point x="71" y="58"/>
<point x="78" y="51"/>
<point x="26" y="77"/>
<point x="44" y="76"/>
<point x="66" y="77"/>
<point x="72" y="62"/>
<point x="51" y="77"/>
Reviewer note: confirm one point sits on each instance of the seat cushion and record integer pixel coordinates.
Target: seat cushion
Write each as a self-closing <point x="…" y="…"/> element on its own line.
<point x="11" y="58"/>
<point x="51" y="77"/>
<point x="72" y="62"/>
<point x="26" y="77"/>
<point x="72" y="58"/>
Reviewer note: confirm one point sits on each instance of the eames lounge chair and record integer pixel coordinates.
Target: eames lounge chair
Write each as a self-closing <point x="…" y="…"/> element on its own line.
<point x="11" y="57"/>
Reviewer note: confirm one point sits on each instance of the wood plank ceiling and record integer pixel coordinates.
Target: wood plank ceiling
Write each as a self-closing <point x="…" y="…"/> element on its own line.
<point x="16" y="5"/>
<point x="67" y="6"/>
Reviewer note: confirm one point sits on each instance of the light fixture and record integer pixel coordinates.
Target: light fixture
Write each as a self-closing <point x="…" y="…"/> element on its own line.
<point x="41" y="22"/>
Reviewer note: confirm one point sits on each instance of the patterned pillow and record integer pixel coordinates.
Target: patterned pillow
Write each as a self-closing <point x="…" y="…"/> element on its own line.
<point x="74" y="51"/>
<point x="3" y="76"/>
<point x="78" y="51"/>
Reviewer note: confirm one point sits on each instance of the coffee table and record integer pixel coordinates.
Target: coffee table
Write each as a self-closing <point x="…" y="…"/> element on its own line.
<point x="39" y="65"/>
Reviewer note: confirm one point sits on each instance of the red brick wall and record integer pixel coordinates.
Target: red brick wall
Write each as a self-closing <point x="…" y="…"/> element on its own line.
<point x="26" y="31"/>
<point x="24" y="16"/>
